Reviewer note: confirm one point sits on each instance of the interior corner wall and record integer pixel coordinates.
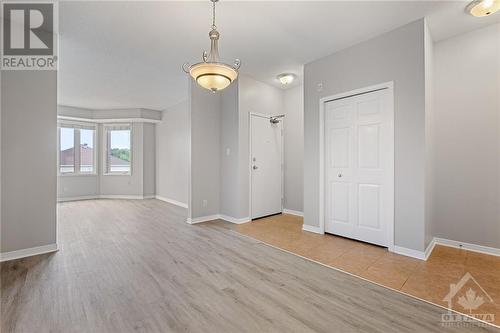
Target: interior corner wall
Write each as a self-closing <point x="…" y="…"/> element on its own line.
<point x="429" y="137"/>
<point x="149" y="160"/>
<point x="205" y="119"/>
<point x="467" y="137"/>
<point x="28" y="192"/>
<point x="230" y="192"/>
<point x="294" y="148"/>
<point x="396" y="56"/>
<point x="172" y="154"/>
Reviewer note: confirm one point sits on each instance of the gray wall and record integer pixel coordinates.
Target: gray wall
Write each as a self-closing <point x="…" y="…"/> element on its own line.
<point x="230" y="191"/>
<point x="29" y="137"/>
<point x="205" y="112"/>
<point x="395" y="56"/>
<point x="258" y="97"/>
<point x="467" y="137"/>
<point x="75" y="186"/>
<point x="294" y="148"/>
<point x="429" y="137"/>
<point x="149" y="160"/>
<point x="172" y="153"/>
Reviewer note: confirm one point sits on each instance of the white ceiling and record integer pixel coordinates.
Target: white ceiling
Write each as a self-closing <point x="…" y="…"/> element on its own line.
<point x="129" y="54"/>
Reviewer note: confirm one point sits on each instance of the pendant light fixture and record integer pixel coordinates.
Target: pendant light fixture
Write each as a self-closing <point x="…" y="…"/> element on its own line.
<point x="211" y="73"/>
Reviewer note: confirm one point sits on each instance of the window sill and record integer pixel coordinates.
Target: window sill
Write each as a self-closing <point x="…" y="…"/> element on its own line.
<point x="77" y="175"/>
<point x="117" y="174"/>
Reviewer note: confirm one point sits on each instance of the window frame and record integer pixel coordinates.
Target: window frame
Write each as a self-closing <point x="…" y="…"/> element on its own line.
<point x="107" y="128"/>
<point x="77" y="126"/>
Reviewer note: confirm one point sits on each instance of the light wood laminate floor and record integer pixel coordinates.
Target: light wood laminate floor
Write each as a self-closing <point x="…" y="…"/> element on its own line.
<point x="135" y="266"/>
<point x="429" y="280"/>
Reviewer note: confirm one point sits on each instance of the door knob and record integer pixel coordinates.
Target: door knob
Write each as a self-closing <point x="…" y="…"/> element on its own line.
<point x="255" y="167"/>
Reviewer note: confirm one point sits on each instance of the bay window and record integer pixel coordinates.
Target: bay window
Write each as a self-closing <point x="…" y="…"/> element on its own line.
<point x="118" y="149"/>
<point x="77" y="153"/>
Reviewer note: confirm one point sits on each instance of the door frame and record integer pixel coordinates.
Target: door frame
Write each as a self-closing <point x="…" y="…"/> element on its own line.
<point x="382" y="86"/>
<point x="262" y="115"/>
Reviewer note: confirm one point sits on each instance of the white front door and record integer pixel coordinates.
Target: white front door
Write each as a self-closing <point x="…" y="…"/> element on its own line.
<point x="359" y="167"/>
<point x="266" y="163"/>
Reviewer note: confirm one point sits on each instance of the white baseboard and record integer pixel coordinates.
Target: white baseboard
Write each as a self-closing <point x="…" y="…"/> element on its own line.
<point x="147" y="197"/>
<point x="424" y="255"/>
<point x="410" y="252"/>
<point x="218" y="217"/>
<point x="293" y="212"/>
<point x="119" y="196"/>
<point x="202" y="219"/>
<point x="106" y="196"/>
<point x="234" y="219"/>
<point x="467" y="246"/>
<point x="172" y="201"/>
<point x="310" y="228"/>
<point x="33" y="251"/>
<point x="87" y="197"/>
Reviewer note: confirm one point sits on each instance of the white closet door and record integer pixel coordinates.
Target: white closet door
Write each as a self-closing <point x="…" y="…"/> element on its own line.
<point x="359" y="160"/>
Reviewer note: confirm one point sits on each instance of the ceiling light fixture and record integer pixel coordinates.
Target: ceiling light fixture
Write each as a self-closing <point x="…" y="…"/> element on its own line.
<point x="480" y="8"/>
<point x="286" y="78"/>
<point x="211" y="73"/>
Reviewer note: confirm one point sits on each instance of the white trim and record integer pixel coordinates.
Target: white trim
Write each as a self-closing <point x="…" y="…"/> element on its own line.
<point x="202" y="219"/>
<point x="390" y="88"/>
<point x="147" y="197"/>
<point x="172" y="201"/>
<point x="77" y="127"/>
<point x="410" y="252"/>
<point x="218" y="217"/>
<point x="293" y="212"/>
<point x="110" y="120"/>
<point x="310" y="228"/>
<point x="107" y="196"/>
<point x="87" y="197"/>
<point x="467" y="246"/>
<point x="267" y="116"/>
<point x="33" y="251"/>
<point x="119" y="196"/>
<point x="234" y="219"/>
<point x="429" y="249"/>
<point x="106" y="129"/>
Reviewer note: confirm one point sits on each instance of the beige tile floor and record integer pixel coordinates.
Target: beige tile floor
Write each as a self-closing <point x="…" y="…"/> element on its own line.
<point x="429" y="280"/>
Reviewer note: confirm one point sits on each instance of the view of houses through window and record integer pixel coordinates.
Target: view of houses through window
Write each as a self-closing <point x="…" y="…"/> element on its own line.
<point x="66" y="150"/>
<point x="77" y="149"/>
<point x="87" y="151"/>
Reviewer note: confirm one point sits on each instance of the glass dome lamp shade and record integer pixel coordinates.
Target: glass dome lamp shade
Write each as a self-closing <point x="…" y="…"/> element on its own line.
<point x="211" y="74"/>
<point x="481" y="8"/>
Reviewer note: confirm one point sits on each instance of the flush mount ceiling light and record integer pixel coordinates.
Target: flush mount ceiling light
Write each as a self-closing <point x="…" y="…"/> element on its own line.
<point x="480" y="8"/>
<point x="211" y="74"/>
<point x="286" y="78"/>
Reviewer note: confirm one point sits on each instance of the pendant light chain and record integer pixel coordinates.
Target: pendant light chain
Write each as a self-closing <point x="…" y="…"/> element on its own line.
<point x="213" y="16"/>
<point x="211" y="73"/>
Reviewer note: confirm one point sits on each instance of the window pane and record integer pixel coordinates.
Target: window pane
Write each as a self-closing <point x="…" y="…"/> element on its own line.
<point x="86" y="151"/>
<point x="119" y="151"/>
<point x="67" y="150"/>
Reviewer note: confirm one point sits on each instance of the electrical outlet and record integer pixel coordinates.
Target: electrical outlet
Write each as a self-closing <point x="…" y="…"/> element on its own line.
<point x="205" y="203"/>
<point x="228" y="151"/>
<point x="320" y="87"/>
